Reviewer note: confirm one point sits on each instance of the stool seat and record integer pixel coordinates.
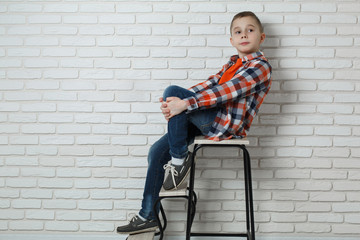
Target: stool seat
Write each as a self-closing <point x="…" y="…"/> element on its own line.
<point x="232" y="141"/>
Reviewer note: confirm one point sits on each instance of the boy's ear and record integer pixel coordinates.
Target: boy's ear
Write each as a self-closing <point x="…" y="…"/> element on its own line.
<point x="262" y="38"/>
<point x="231" y="41"/>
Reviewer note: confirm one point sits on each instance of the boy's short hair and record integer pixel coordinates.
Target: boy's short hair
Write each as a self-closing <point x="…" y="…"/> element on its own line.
<point x="247" y="14"/>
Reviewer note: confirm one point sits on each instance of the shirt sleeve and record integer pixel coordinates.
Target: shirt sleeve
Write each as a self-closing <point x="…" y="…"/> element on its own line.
<point x="251" y="79"/>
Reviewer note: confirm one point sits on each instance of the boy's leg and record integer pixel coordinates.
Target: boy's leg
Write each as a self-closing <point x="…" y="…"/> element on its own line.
<point x="158" y="156"/>
<point x="180" y="137"/>
<point x="178" y="125"/>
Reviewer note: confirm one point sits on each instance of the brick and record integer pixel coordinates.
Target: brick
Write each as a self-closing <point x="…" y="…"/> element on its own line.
<point x="289" y="174"/>
<point x="154" y="19"/>
<point x="55" y="183"/>
<point x="96" y="30"/>
<point x="313" y="141"/>
<point x="78" y="41"/>
<point x="194" y="19"/>
<point x="338" y="18"/>
<point x="331" y="152"/>
<point x="306" y="228"/>
<point x="109" y="216"/>
<point x="345" y="228"/>
<point x="61" y="8"/>
<point x="346" y="141"/>
<point x="26" y="204"/>
<point x="66" y="162"/>
<point x="289" y="196"/>
<point x="186" y="42"/>
<point x="282" y="31"/>
<point x="288" y="217"/>
<point x="12" y="214"/>
<point x="313" y="186"/>
<point x="302" y="19"/>
<point x="74" y="107"/>
<point x="283" y="185"/>
<point x="56" y="52"/>
<point x="277" y="7"/>
<point x="78" y="19"/>
<point x="347" y="75"/>
<point x="59" y="204"/>
<point x="334" y="42"/>
<point x="71" y="194"/>
<point x="309" y="163"/>
<point x="116" y="19"/>
<point x="318" y="30"/>
<point x="325" y="217"/>
<point x="73" y="215"/>
<point x="317" y="7"/>
<point x="26" y="225"/>
<point x="23" y="52"/>
<point x="62" y="226"/>
<point x="73" y="173"/>
<point x="11" y="150"/>
<point x="12" y="19"/>
<point x="100" y="226"/>
<point x="134" y="8"/>
<point x="93" y="162"/>
<point x="213" y="8"/>
<point x="276" y="228"/>
<point x="327" y="197"/>
<point x="97" y="8"/>
<point x="10" y="193"/>
<point x="24" y="74"/>
<point x="346" y="207"/>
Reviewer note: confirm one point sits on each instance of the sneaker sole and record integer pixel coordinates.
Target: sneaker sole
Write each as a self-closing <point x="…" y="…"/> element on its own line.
<point x="140" y="231"/>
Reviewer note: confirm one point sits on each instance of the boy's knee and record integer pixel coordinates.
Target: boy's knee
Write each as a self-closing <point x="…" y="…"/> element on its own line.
<point x="171" y="91"/>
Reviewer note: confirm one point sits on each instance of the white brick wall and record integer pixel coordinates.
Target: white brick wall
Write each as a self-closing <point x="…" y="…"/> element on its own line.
<point x="79" y="86"/>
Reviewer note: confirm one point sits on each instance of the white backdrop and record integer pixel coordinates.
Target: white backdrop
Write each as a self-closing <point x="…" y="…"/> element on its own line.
<point x="79" y="86"/>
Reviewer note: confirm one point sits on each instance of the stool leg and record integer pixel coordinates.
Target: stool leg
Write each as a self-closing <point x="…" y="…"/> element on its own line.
<point x="248" y="195"/>
<point x="161" y="228"/>
<point x="191" y="199"/>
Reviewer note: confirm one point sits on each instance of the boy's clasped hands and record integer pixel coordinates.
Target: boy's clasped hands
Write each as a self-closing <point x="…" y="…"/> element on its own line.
<point x="172" y="107"/>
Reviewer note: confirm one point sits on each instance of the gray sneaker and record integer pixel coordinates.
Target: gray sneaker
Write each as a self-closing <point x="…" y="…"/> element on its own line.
<point x="177" y="173"/>
<point x="136" y="225"/>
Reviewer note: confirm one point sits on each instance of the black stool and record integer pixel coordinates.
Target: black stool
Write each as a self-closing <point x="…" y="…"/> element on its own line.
<point x="189" y="194"/>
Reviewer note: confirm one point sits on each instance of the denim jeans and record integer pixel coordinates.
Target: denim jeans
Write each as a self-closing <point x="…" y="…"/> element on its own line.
<point x="182" y="130"/>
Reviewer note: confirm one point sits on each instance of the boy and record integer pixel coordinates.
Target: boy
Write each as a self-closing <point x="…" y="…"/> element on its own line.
<point x="222" y="107"/>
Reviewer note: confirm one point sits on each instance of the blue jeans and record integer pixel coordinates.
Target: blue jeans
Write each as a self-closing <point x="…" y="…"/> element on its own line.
<point x="182" y="130"/>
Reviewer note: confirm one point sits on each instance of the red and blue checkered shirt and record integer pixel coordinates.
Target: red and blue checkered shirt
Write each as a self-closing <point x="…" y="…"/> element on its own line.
<point x="238" y="99"/>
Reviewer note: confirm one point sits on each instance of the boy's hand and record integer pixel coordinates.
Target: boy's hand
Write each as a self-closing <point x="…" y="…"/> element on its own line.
<point x="175" y="105"/>
<point x="172" y="107"/>
<point x="164" y="109"/>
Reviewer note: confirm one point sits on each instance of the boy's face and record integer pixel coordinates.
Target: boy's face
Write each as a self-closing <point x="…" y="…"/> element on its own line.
<point x="246" y="36"/>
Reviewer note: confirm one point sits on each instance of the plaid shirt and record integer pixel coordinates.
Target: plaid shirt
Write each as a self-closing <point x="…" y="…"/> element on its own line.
<point x="238" y="99"/>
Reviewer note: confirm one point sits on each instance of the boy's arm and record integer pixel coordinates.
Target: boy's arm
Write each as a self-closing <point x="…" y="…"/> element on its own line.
<point x="253" y="79"/>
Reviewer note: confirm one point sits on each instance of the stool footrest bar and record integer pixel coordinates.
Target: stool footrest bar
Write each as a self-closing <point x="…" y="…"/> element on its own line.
<point x="219" y="234"/>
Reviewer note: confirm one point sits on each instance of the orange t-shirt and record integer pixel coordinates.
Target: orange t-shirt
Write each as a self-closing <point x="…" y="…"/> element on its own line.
<point x="228" y="74"/>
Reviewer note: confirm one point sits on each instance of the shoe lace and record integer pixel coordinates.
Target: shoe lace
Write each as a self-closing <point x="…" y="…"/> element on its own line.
<point x="173" y="172"/>
<point x="134" y="219"/>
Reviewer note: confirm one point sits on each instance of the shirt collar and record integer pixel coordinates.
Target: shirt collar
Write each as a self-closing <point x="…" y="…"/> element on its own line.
<point x="247" y="57"/>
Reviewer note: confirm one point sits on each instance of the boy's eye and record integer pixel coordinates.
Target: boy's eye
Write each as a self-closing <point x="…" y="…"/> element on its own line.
<point x="237" y="32"/>
<point x="250" y="30"/>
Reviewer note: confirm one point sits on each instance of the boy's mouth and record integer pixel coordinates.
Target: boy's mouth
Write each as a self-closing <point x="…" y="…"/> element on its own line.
<point x="244" y="43"/>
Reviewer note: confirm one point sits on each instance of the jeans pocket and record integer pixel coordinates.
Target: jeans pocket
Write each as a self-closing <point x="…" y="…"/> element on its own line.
<point x="205" y="128"/>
